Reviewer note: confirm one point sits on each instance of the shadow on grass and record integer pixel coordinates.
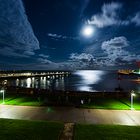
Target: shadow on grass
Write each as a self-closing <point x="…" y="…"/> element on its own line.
<point x="7" y="100"/>
<point x="124" y="103"/>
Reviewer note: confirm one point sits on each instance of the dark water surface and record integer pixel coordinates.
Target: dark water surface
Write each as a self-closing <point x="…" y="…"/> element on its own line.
<point x="83" y="80"/>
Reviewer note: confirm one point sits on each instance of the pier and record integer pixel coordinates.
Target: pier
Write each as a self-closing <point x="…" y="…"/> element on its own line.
<point x="33" y="74"/>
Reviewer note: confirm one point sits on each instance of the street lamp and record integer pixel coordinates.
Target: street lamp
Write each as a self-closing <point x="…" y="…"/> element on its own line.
<point x="132" y="95"/>
<point x="2" y="91"/>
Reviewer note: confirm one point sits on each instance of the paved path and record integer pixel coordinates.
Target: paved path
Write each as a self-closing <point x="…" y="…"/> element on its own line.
<point x="71" y="114"/>
<point x="67" y="133"/>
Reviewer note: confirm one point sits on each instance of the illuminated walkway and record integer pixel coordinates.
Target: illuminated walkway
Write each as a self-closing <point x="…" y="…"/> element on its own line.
<point x="69" y="114"/>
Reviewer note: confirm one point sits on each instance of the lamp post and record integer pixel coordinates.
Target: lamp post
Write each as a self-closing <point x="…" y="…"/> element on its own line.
<point x="132" y="95"/>
<point x="2" y="91"/>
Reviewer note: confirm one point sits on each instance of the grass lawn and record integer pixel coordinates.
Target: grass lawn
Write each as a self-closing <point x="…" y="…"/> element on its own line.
<point x="106" y="132"/>
<point x="29" y="130"/>
<point x="110" y="103"/>
<point x="29" y="101"/>
<point x="96" y="103"/>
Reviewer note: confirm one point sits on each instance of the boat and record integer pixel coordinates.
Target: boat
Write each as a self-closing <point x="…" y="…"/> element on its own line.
<point x="127" y="71"/>
<point x="136" y="80"/>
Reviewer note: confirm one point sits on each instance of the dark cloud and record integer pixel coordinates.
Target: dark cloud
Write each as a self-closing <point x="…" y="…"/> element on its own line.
<point x="10" y="52"/>
<point x="15" y="30"/>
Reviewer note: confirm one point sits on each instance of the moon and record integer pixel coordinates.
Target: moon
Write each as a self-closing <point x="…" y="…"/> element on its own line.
<point x="88" y="31"/>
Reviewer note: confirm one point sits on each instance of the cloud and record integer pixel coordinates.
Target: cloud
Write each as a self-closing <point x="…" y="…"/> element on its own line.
<point x="115" y="43"/>
<point x="81" y="61"/>
<point x="116" y="53"/>
<point x="44" y="56"/>
<point x="136" y="19"/>
<point x="82" y="57"/>
<point x="44" y="61"/>
<point x="33" y="66"/>
<point x="10" y="52"/>
<point x="84" y="6"/>
<point x="29" y="53"/>
<point x="57" y="37"/>
<point x="72" y="66"/>
<point x="110" y="15"/>
<point x="15" y="30"/>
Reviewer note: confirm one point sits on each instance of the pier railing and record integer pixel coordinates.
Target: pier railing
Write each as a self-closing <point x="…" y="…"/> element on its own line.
<point x="31" y="74"/>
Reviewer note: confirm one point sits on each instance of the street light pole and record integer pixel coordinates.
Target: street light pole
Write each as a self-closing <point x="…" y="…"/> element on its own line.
<point x="2" y="91"/>
<point x="3" y="96"/>
<point x="132" y="95"/>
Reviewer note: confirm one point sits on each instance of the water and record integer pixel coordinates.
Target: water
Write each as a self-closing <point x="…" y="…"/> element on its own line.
<point x="84" y="80"/>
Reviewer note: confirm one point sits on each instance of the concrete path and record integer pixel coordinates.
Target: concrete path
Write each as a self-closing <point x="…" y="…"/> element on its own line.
<point x="71" y="114"/>
<point x="67" y="133"/>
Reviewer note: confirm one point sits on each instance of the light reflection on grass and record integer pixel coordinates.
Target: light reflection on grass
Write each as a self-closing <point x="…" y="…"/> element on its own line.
<point x="108" y="103"/>
<point x="25" y="101"/>
<point x="96" y="103"/>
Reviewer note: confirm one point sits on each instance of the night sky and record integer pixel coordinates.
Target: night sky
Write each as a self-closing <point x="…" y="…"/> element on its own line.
<point x="47" y="34"/>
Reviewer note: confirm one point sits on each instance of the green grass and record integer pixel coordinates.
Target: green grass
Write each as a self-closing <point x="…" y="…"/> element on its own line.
<point x="136" y="103"/>
<point x="25" y="101"/>
<point x="96" y="103"/>
<point x="106" y="132"/>
<point x="110" y="103"/>
<point x="29" y="130"/>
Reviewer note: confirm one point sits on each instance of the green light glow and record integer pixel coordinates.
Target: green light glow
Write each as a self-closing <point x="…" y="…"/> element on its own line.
<point x="136" y="71"/>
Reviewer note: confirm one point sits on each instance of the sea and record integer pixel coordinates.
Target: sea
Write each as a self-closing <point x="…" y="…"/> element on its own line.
<point x="81" y="80"/>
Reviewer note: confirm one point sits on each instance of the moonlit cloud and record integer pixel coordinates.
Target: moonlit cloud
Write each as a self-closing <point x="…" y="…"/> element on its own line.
<point x="44" y="56"/>
<point x="81" y="61"/>
<point x="82" y="56"/>
<point x="56" y="37"/>
<point x="136" y="19"/>
<point x="116" y="52"/>
<point x="29" y="53"/>
<point x="110" y="15"/>
<point x="15" y="29"/>
<point x="44" y="61"/>
<point x="73" y="65"/>
<point x="115" y="43"/>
